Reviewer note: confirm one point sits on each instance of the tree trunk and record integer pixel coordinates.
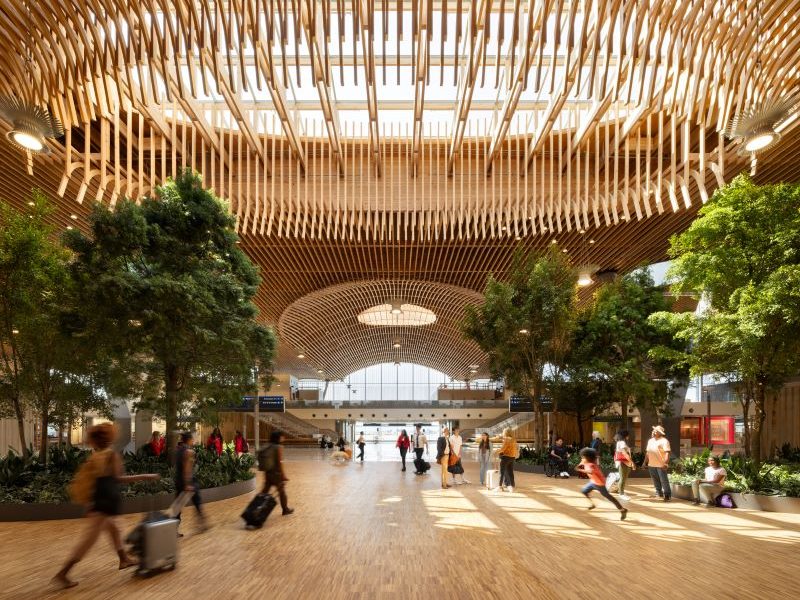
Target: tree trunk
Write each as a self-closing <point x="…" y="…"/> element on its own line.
<point x="746" y="400"/>
<point x="171" y="400"/>
<point x="43" y="441"/>
<point x="579" y="421"/>
<point x="758" y="424"/>
<point x="21" y="426"/>
<point x="623" y="409"/>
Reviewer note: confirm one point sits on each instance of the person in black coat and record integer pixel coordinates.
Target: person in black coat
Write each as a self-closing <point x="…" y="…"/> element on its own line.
<point x="443" y="454"/>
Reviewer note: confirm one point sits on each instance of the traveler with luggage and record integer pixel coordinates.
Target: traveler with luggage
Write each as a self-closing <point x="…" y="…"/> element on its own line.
<point x="455" y="467"/>
<point x="420" y="443"/>
<point x="361" y="443"/>
<point x="623" y="460"/>
<point x="484" y="456"/>
<point x="443" y="454"/>
<point x="186" y="488"/>
<point x="403" y="443"/>
<point x="96" y="485"/>
<point x="509" y="452"/>
<point x="341" y="444"/>
<point x="270" y="461"/>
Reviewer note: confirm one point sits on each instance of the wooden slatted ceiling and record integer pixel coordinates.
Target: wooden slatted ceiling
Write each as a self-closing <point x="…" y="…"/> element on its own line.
<point x="606" y="122"/>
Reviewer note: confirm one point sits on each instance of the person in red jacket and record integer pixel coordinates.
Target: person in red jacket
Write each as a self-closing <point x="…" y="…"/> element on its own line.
<point x="404" y="443"/>
<point x="215" y="441"/>
<point x="156" y="445"/>
<point x="240" y="444"/>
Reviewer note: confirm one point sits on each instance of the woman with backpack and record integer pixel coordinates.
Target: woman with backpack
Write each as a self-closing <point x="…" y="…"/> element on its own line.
<point x="96" y="485"/>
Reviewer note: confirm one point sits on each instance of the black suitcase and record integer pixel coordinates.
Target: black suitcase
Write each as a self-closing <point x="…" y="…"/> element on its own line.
<point x="258" y="510"/>
<point x="421" y="465"/>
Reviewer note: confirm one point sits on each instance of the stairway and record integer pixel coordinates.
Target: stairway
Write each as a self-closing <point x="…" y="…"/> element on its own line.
<point x="294" y="426"/>
<point x="494" y="427"/>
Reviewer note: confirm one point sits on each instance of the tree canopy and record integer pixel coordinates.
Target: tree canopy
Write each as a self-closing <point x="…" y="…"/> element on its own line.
<point x="743" y="255"/>
<point x="525" y="322"/>
<point x="165" y="288"/>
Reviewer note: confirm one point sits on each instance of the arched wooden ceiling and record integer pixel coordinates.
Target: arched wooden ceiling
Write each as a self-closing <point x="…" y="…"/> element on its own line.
<point x="324" y="327"/>
<point x="403" y="140"/>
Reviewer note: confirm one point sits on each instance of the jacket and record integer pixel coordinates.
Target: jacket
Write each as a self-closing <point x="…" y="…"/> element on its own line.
<point x="441" y="445"/>
<point x="509" y="447"/>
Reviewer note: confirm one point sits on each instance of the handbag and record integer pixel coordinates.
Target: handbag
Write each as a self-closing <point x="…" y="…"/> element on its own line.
<point x="452" y="459"/>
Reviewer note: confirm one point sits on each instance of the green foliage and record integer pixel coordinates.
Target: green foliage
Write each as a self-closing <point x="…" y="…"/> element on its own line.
<point x="165" y="288"/>
<point x="743" y="255"/>
<point x="42" y="366"/>
<point x="743" y="474"/>
<point x="28" y="479"/>
<point x="538" y="298"/>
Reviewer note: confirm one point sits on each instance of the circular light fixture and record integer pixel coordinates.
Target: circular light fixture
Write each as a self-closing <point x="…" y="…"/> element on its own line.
<point x="73" y="217"/>
<point x="395" y="314"/>
<point x="69" y="227"/>
<point x="554" y="241"/>
<point x="396" y="345"/>
<point x="585" y="279"/>
<point x="320" y="371"/>
<point x="760" y="139"/>
<point x="31" y="203"/>
<point x="564" y="250"/>
<point x="31" y="125"/>
<point x="591" y="241"/>
<point x="301" y="356"/>
<point x="523" y="331"/>
<point x="26" y="139"/>
<point x="15" y="331"/>
<point x="474" y="366"/>
<point x="473" y="371"/>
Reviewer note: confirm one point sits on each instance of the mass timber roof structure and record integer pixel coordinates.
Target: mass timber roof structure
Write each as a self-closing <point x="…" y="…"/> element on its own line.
<point x="417" y="141"/>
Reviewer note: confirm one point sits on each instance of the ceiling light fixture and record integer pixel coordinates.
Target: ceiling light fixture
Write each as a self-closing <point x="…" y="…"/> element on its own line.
<point x="474" y="366"/>
<point x="395" y="314"/>
<point x="397" y="308"/>
<point x="523" y="331"/>
<point x="473" y="371"/>
<point x="396" y="345"/>
<point x="74" y="217"/>
<point x="301" y="356"/>
<point x="15" y="331"/>
<point x="320" y="371"/>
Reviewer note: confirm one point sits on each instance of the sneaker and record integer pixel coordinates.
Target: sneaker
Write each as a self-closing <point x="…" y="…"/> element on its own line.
<point x="592" y="507"/>
<point x="623" y="514"/>
<point x="288" y="511"/>
<point x="624" y="497"/>
<point x="666" y="498"/>
<point x="511" y="489"/>
<point x="465" y="481"/>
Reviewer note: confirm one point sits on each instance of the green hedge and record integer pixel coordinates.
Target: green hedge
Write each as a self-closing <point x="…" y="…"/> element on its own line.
<point x="27" y="480"/>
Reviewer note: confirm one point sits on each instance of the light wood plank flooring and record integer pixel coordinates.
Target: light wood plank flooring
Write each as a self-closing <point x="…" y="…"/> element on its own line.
<point x="370" y="531"/>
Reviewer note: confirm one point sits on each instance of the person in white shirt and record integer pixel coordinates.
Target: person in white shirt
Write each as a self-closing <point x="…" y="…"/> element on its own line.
<point x="455" y="447"/>
<point x="656" y="459"/>
<point x="623" y="460"/>
<point x="707" y="490"/>
<point x="419" y="444"/>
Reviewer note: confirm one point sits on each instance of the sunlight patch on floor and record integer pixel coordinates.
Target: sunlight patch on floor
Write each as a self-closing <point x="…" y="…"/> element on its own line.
<point x="453" y="511"/>
<point x="539" y="517"/>
<point x="738" y="525"/>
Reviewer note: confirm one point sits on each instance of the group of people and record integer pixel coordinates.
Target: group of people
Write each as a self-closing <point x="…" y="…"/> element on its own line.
<point x="215" y="443"/>
<point x="97" y="486"/>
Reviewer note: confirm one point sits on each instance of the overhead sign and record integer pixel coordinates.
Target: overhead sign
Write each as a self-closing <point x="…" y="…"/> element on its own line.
<point x="519" y="404"/>
<point x="265" y="404"/>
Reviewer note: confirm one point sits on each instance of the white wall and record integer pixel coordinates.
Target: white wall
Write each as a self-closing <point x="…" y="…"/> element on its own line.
<point x="9" y="435"/>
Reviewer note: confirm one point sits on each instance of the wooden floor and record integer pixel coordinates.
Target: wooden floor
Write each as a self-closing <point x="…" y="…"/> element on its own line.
<point x="370" y="531"/>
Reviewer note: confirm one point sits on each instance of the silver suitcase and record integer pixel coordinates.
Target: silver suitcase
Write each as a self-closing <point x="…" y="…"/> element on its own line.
<point x="492" y="478"/>
<point x="159" y="546"/>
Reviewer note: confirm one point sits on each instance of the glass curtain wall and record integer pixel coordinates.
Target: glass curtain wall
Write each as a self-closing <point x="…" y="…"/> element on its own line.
<point x="387" y="382"/>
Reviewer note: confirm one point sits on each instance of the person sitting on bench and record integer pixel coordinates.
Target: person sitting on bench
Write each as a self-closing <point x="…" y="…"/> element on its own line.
<point x="707" y="490"/>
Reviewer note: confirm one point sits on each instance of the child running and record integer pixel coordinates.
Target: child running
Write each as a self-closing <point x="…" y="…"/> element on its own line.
<point x="597" y="481"/>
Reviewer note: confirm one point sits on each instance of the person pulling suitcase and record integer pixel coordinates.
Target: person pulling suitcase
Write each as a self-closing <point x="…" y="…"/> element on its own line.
<point x="270" y="460"/>
<point x="186" y="488"/>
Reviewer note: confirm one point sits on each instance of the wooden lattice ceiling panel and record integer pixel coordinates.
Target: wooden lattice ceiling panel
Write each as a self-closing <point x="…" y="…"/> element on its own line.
<point x="323" y="326"/>
<point x="402" y="139"/>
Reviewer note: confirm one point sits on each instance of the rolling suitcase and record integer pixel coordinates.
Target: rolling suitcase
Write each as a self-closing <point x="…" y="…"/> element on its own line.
<point x="492" y="478"/>
<point x="421" y="466"/>
<point x="155" y="541"/>
<point x="258" y="510"/>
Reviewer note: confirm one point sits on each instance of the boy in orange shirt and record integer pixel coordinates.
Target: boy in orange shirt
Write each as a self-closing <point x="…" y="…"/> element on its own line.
<point x="597" y="481"/>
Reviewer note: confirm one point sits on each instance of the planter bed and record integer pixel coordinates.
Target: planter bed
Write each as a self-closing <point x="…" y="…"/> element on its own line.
<point x="682" y="491"/>
<point x="780" y="504"/>
<point x="137" y="504"/>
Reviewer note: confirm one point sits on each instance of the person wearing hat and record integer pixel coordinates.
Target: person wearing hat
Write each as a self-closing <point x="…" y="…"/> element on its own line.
<point x="656" y="459"/>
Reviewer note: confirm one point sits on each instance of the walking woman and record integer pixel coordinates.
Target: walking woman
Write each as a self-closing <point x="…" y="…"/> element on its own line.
<point x="361" y="443"/>
<point x="215" y="441"/>
<point x="484" y="455"/>
<point x="508" y="454"/>
<point x="404" y="443"/>
<point x="623" y="460"/>
<point x="96" y="485"/>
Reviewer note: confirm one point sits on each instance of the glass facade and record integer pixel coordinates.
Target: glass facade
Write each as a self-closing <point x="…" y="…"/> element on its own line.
<point x="387" y="382"/>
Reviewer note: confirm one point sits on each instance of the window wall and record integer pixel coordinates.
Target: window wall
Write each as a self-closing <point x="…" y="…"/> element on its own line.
<point x="386" y="382"/>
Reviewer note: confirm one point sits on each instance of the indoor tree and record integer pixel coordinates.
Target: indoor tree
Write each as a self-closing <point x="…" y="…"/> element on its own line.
<point x="525" y="321"/>
<point x="167" y="289"/>
<point x="743" y="254"/>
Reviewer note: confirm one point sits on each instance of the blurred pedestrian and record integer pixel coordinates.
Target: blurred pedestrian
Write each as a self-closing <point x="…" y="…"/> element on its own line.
<point x="186" y="488"/>
<point x="484" y="456"/>
<point x="403" y="443"/>
<point x="597" y="481"/>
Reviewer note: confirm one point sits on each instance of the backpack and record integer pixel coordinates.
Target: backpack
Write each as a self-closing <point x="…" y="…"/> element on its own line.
<point x="268" y="458"/>
<point x="612" y="482"/>
<point x="724" y="501"/>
